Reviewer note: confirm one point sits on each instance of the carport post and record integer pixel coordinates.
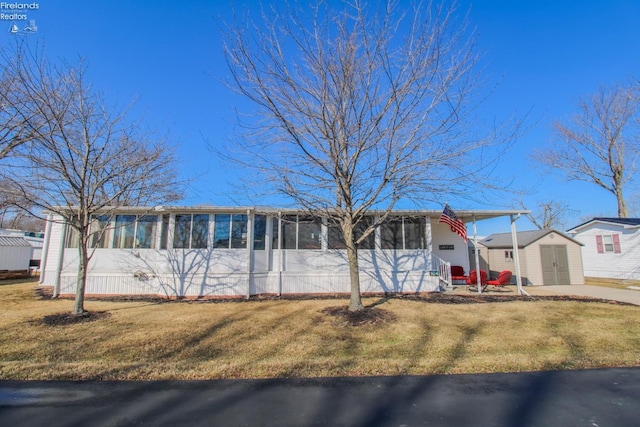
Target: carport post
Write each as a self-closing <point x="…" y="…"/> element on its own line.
<point x="516" y="258"/>
<point x="475" y="250"/>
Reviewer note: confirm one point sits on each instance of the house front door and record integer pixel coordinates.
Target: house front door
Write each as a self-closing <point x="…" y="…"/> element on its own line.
<point x="555" y="265"/>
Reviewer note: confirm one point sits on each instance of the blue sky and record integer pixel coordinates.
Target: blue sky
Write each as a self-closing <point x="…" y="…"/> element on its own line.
<point x="542" y="54"/>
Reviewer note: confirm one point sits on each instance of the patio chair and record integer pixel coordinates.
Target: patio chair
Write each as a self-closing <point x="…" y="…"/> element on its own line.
<point x="472" y="280"/>
<point x="457" y="274"/>
<point x="504" y="279"/>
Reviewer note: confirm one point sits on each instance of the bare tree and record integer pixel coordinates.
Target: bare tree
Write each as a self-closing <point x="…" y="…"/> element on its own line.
<point x="549" y="215"/>
<point x="84" y="158"/>
<point x="359" y="107"/>
<point x="13" y="114"/>
<point x="600" y="145"/>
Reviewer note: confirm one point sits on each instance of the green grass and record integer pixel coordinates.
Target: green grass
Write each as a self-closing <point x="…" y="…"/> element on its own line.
<point x="266" y="339"/>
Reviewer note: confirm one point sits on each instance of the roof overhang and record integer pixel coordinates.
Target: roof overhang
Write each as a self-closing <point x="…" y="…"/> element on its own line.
<point x="464" y="215"/>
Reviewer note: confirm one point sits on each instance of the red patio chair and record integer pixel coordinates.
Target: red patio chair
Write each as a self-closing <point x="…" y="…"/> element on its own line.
<point x="457" y="273"/>
<point x="472" y="280"/>
<point x="504" y="279"/>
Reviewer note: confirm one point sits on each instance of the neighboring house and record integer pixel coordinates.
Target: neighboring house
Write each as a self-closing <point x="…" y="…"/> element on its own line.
<point x="15" y="253"/>
<point x="222" y="251"/>
<point x="611" y="247"/>
<point x="35" y="241"/>
<point x="547" y="257"/>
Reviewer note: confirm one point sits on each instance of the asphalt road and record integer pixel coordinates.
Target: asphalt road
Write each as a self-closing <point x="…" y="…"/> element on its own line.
<point x="594" y="398"/>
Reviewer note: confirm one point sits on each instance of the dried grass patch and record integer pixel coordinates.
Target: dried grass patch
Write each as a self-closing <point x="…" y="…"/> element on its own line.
<point x="277" y="338"/>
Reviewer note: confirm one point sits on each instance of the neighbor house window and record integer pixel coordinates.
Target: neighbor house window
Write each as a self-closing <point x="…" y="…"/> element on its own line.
<point x="191" y="231"/>
<point x="508" y="256"/>
<point x="608" y="243"/>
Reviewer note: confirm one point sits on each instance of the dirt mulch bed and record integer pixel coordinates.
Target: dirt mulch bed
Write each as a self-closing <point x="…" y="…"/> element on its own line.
<point x="431" y="297"/>
<point x="59" y="319"/>
<point x="367" y="316"/>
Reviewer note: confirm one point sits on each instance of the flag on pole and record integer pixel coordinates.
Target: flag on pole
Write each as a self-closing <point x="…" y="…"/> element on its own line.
<point x="457" y="226"/>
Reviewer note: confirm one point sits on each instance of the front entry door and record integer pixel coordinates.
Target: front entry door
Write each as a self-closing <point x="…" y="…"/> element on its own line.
<point x="555" y="265"/>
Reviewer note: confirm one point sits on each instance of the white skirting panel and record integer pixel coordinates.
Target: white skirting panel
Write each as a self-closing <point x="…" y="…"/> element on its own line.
<point x="241" y="284"/>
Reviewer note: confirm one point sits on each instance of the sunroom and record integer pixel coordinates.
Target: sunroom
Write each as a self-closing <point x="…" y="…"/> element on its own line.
<point x="207" y="251"/>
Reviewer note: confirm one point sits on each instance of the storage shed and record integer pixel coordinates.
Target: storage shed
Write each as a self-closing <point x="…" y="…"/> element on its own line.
<point x="15" y="253"/>
<point x="547" y="257"/>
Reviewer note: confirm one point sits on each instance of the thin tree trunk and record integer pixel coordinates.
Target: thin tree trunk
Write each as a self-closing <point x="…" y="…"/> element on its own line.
<point x="355" y="303"/>
<point x="78" y="307"/>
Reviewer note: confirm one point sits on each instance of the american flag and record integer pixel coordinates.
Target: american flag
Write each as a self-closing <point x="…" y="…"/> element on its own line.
<point x="457" y="226"/>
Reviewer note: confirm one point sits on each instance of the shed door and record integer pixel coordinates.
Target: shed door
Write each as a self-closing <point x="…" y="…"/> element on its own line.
<point x="555" y="264"/>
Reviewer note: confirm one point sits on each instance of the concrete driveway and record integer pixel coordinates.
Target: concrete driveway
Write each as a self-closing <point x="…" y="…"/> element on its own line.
<point x="622" y="295"/>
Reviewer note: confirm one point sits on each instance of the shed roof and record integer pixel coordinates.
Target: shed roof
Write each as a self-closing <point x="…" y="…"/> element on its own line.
<point x="13" y="241"/>
<point x="525" y="238"/>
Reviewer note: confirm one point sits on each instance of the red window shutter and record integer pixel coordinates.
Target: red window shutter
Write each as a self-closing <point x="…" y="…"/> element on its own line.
<point x="599" y="244"/>
<point x="616" y="243"/>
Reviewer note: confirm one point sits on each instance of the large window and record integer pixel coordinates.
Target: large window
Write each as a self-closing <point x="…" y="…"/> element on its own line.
<point x="191" y="231"/>
<point x="414" y="232"/>
<point x="133" y="231"/>
<point x="301" y="232"/>
<point x="259" y="232"/>
<point x="99" y="231"/>
<point x="230" y="231"/>
<point x="404" y="233"/>
<point x="124" y="231"/>
<point x="336" y="239"/>
<point x="72" y="239"/>
<point x="391" y="234"/>
<point x="164" y="232"/>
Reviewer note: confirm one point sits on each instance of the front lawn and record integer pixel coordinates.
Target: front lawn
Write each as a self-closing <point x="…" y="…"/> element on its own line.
<point x="263" y="339"/>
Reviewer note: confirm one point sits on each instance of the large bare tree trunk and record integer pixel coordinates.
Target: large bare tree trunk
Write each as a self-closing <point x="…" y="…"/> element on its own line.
<point x="355" y="302"/>
<point x="623" y="212"/>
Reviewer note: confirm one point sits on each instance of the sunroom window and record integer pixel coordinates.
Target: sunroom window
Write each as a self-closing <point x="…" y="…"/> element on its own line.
<point x="99" y="231"/>
<point x="133" y="231"/>
<point x="301" y="232"/>
<point x="404" y="233"/>
<point x="230" y="231"/>
<point x="336" y="239"/>
<point x="191" y="231"/>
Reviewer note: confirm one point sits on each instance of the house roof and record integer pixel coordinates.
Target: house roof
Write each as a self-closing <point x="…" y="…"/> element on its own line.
<point x="13" y="241"/>
<point x="525" y="238"/>
<point x="625" y="222"/>
<point x="466" y="216"/>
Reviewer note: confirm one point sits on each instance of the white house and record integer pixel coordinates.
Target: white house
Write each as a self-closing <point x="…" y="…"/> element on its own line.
<point x="207" y="251"/>
<point x="611" y="247"/>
